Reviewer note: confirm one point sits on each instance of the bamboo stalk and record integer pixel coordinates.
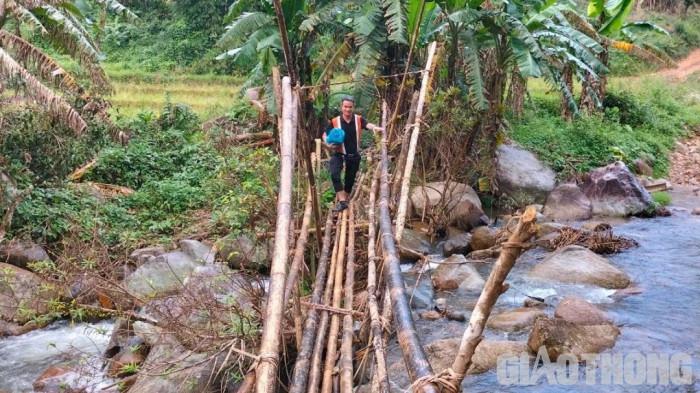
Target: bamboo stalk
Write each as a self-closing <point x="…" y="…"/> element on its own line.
<point x="381" y="377"/>
<point x="346" y="346"/>
<point x="301" y="367"/>
<point x="416" y="361"/>
<point x="298" y="332"/>
<point x="315" y="373"/>
<point x="295" y="268"/>
<point x="401" y="162"/>
<point x="332" y="348"/>
<point x="318" y="156"/>
<point x="266" y="371"/>
<point x="406" y="179"/>
<point x="492" y="290"/>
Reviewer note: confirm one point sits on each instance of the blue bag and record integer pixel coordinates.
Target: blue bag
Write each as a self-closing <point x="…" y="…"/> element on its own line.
<point x="336" y="136"/>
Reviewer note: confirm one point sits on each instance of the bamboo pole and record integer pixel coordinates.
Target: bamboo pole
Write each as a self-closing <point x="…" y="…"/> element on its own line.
<point x="413" y="354"/>
<point x="301" y="367"/>
<point x="315" y="372"/>
<point x="332" y="349"/>
<point x="295" y="268"/>
<point x="318" y="156"/>
<point x="381" y="377"/>
<point x="401" y="162"/>
<point x="266" y="371"/>
<point x="406" y="179"/>
<point x="492" y="290"/>
<point x="346" y="346"/>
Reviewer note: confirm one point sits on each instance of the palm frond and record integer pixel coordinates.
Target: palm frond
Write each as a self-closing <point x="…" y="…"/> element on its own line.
<point x="56" y="104"/>
<point x="118" y="8"/>
<point x="325" y="13"/>
<point x="395" y="16"/>
<point x="473" y="76"/>
<point x="242" y="27"/>
<point x="46" y="67"/>
<point x="338" y="59"/>
<point x="637" y="51"/>
<point x="24" y="15"/>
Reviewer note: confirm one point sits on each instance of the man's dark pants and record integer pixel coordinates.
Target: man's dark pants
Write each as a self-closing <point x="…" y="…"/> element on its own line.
<point x="352" y="165"/>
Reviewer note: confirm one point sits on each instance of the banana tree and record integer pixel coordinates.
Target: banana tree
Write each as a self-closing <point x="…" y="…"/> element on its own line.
<point x="611" y="29"/>
<point x="65" y="27"/>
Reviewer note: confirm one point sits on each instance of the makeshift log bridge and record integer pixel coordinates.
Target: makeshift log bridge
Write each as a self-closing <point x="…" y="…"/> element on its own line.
<point x="327" y="348"/>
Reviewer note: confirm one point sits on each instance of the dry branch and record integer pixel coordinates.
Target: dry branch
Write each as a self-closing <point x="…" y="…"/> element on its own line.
<point x="492" y="290"/>
<point x="406" y="179"/>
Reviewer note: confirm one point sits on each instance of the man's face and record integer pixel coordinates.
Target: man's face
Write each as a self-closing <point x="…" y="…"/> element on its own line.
<point x="347" y="107"/>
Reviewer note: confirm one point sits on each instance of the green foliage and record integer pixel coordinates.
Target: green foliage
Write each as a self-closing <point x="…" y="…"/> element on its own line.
<point x="643" y="125"/>
<point x="662" y="198"/>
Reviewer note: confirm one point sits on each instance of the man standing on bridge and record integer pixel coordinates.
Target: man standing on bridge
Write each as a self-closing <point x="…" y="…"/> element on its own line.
<point x="345" y="148"/>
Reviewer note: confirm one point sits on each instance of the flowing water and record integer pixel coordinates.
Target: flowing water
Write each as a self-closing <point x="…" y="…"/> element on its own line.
<point x="23" y="358"/>
<point x="663" y="319"/>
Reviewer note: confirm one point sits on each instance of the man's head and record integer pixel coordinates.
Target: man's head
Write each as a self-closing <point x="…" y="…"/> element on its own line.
<point x="347" y="106"/>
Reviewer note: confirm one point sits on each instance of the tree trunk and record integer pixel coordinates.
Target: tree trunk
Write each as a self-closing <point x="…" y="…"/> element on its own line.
<point x="516" y="93"/>
<point x="492" y="290"/>
<point x="413" y="354"/>
<point x="266" y="372"/>
<point x="567" y="113"/>
<point x="592" y="89"/>
<point x="406" y="179"/>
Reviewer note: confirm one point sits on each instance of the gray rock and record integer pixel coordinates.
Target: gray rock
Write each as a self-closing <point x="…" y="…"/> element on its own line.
<point x="23" y="294"/>
<point x="562" y="337"/>
<point x="143" y="254"/>
<point x="161" y="275"/>
<point x="521" y="176"/>
<point x="419" y="292"/>
<point x="614" y="191"/>
<point x="579" y="311"/>
<point x="696" y="211"/>
<point x="173" y="368"/>
<point x="514" y="320"/>
<point x="414" y="245"/>
<point x="457" y="243"/>
<point x="455" y="273"/>
<point x="457" y="201"/>
<point x="242" y="252"/>
<point x="22" y="253"/>
<point x="568" y="203"/>
<point x="579" y="265"/>
<point x="198" y="250"/>
<point x="482" y="238"/>
<point x="642" y="168"/>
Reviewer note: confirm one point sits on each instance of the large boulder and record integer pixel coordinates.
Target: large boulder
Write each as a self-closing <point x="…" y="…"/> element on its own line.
<point x="455" y="273"/>
<point x="521" y="176"/>
<point x="457" y="242"/>
<point x="560" y="337"/>
<point x="419" y="290"/>
<point x="198" y="250"/>
<point x="452" y="203"/>
<point x="441" y="354"/>
<point x="213" y="299"/>
<point x="579" y="265"/>
<point x="23" y="294"/>
<point x="63" y="378"/>
<point x="614" y="191"/>
<point x="242" y="252"/>
<point x="567" y="203"/>
<point x="576" y="310"/>
<point x="482" y="238"/>
<point x="161" y="275"/>
<point x="414" y="245"/>
<point x="172" y="368"/>
<point x="514" y="320"/>
<point x="141" y="255"/>
<point x="22" y="253"/>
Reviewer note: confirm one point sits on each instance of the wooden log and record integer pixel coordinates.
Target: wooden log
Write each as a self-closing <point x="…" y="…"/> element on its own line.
<point x="346" y="344"/>
<point x="401" y="162"/>
<point x="416" y="361"/>
<point x="492" y="290"/>
<point x="332" y="349"/>
<point x="266" y="371"/>
<point x="301" y="366"/>
<point x="252" y="136"/>
<point x="406" y="178"/>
